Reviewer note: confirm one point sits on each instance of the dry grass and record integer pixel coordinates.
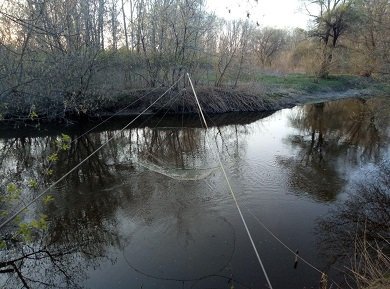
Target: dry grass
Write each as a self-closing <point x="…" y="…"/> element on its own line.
<point x="371" y="265"/>
<point x="220" y="100"/>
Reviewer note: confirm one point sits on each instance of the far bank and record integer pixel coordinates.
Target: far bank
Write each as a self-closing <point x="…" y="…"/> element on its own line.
<point x="269" y="93"/>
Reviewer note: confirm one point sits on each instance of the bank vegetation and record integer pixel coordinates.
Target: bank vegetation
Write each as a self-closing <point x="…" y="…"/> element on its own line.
<point x="86" y="57"/>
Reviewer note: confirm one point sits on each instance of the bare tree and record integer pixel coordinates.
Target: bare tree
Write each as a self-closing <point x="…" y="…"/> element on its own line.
<point x="244" y="49"/>
<point x="268" y="42"/>
<point x="229" y="42"/>
<point x="371" y="37"/>
<point x="334" y="19"/>
<point x="114" y="23"/>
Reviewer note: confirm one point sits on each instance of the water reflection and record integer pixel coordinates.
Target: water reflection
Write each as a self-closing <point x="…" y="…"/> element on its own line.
<point x="357" y="229"/>
<point x="86" y="216"/>
<point x="331" y="138"/>
<point x="76" y="232"/>
<point x="151" y="210"/>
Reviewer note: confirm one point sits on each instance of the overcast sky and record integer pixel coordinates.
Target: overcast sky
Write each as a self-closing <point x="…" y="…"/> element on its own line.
<point x="276" y="13"/>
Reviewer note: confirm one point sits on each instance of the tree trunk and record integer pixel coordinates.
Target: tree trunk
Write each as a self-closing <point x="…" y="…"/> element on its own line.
<point x="327" y="56"/>
<point x="125" y="26"/>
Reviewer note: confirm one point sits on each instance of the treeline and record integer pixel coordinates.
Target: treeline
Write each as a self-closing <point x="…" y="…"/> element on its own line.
<point x="56" y="53"/>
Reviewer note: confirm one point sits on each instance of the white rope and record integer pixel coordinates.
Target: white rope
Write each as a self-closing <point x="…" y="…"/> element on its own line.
<point x="107" y="119"/>
<point x="83" y="161"/>
<point x="231" y="190"/>
<point x="115" y="114"/>
<point x="284" y="245"/>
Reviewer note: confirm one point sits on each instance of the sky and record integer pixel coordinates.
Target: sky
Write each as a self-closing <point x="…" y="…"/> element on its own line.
<point x="275" y="13"/>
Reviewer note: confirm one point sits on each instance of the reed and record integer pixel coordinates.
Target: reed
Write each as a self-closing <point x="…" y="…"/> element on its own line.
<point x="371" y="265"/>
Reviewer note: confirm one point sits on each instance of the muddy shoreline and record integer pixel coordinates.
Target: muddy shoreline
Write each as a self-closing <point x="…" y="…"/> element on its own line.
<point x="214" y="101"/>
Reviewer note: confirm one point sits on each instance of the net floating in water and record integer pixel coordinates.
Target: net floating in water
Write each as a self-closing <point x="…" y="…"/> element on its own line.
<point x="182" y="174"/>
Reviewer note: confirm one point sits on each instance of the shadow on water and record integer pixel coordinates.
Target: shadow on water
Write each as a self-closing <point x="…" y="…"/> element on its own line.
<point x="12" y="130"/>
<point x="331" y="135"/>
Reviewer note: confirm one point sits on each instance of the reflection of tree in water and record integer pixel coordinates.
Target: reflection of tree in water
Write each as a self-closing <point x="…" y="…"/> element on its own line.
<point x="363" y="219"/>
<point x="174" y="146"/>
<point x="76" y="231"/>
<point x="45" y="266"/>
<point x="82" y="217"/>
<point x="331" y="137"/>
<point x="22" y="157"/>
<point x="188" y="153"/>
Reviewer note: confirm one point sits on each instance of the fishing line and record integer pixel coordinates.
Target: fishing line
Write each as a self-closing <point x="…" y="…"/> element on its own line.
<point x="85" y="159"/>
<point x="173" y="100"/>
<point x="183" y="174"/>
<point x="239" y="210"/>
<point x="323" y="275"/>
<point x="231" y="190"/>
<point x="283" y="244"/>
<point x="167" y="110"/>
<point x="107" y="119"/>
<point x="173" y="176"/>
<point x="216" y="274"/>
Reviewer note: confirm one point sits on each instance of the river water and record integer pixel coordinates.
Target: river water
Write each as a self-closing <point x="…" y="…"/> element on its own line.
<point x="152" y="209"/>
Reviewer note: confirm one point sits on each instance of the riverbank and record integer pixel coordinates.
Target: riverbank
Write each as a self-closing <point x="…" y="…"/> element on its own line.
<point x="268" y="93"/>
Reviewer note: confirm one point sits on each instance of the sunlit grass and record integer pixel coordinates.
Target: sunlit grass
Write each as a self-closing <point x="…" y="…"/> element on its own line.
<point x="307" y="83"/>
<point x="279" y="84"/>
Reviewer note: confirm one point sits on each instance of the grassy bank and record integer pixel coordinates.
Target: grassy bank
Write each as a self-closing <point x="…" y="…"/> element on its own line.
<point x="371" y="267"/>
<point x="267" y="93"/>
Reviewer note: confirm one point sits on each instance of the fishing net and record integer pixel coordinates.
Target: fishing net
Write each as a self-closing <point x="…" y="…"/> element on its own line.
<point x="182" y="173"/>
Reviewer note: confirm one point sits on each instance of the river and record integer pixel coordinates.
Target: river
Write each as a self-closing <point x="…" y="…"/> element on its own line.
<point x="152" y="208"/>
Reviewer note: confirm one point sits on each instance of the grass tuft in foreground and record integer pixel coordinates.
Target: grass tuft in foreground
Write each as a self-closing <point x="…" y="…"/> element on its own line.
<point x="372" y="268"/>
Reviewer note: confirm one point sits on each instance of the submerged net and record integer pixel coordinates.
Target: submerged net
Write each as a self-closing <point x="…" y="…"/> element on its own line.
<point x="182" y="174"/>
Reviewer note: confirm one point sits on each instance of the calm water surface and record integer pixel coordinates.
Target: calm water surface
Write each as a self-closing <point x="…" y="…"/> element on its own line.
<point x="153" y="210"/>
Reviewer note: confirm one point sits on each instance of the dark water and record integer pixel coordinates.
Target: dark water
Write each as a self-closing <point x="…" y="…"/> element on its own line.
<point x="153" y="210"/>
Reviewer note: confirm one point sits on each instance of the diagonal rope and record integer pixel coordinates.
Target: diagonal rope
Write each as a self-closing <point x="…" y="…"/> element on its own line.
<point x="283" y="244"/>
<point x="231" y="190"/>
<point x="87" y="158"/>
<point x="115" y="114"/>
<point x="107" y="119"/>
<point x="324" y="276"/>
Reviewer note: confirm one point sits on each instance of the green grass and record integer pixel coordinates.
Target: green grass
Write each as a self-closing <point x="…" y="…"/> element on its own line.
<point x="311" y="84"/>
<point x="382" y="87"/>
<point x="303" y="83"/>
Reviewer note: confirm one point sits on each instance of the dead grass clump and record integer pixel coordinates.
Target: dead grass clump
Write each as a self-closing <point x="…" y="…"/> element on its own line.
<point x="371" y="266"/>
<point x="221" y="100"/>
